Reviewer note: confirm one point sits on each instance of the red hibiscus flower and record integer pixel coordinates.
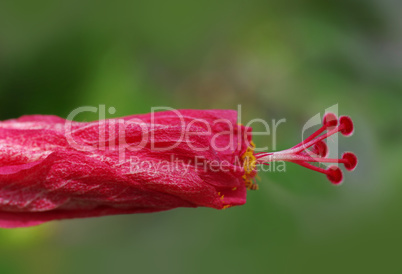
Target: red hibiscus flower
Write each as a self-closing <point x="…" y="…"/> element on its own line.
<point x="51" y="168"/>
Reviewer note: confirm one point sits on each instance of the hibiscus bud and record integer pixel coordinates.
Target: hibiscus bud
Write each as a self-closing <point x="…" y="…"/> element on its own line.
<point x="52" y="169"/>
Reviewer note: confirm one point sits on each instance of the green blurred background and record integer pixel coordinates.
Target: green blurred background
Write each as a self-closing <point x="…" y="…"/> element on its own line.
<point x="278" y="59"/>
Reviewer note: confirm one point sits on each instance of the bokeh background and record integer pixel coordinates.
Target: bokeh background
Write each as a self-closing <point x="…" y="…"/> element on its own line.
<point x="278" y="59"/>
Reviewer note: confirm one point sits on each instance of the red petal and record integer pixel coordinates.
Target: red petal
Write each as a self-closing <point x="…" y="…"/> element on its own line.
<point x="45" y="176"/>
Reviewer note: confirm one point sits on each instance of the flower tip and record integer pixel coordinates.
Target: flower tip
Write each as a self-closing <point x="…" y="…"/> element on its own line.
<point x="334" y="175"/>
<point x="350" y="160"/>
<point x="321" y="149"/>
<point x="330" y="120"/>
<point x="347" y="125"/>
